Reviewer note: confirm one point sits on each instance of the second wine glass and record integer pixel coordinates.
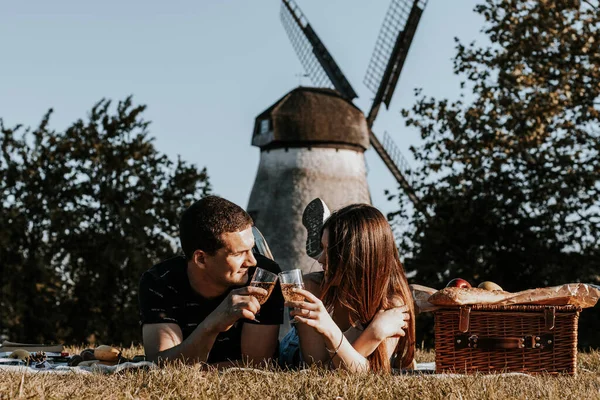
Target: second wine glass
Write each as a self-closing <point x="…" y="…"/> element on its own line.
<point x="289" y="281"/>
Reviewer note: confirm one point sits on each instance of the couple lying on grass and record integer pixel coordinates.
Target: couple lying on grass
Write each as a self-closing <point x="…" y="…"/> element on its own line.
<point x="357" y="314"/>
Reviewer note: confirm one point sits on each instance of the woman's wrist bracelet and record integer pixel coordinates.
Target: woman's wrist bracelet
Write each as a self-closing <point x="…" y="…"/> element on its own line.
<point x="333" y="353"/>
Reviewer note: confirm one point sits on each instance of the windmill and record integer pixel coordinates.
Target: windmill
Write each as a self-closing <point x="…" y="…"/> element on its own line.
<point x="313" y="140"/>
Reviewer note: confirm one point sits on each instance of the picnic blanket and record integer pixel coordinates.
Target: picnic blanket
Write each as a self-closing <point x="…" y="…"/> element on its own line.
<point x="48" y="368"/>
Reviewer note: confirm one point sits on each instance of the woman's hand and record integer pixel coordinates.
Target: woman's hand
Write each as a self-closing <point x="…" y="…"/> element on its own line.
<point x="390" y="323"/>
<point x="313" y="313"/>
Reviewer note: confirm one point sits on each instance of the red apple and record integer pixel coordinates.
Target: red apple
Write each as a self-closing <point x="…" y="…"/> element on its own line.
<point x="459" y="282"/>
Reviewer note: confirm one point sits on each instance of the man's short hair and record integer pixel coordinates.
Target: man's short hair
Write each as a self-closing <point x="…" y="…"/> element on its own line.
<point x="203" y="223"/>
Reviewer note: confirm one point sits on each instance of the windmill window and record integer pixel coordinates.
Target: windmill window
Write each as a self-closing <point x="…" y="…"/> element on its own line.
<point x="265" y="126"/>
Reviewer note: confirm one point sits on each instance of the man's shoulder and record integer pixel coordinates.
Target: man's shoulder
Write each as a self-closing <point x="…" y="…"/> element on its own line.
<point x="166" y="271"/>
<point x="266" y="263"/>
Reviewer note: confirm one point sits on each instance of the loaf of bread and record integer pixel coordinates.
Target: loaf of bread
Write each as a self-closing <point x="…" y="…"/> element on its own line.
<point x="454" y="296"/>
<point x="577" y="294"/>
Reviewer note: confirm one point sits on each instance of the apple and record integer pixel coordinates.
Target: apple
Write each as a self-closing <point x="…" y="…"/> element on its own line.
<point x="487" y="285"/>
<point x="459" y="282"/>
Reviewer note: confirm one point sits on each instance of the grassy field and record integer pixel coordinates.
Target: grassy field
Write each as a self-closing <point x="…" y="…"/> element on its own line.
<point x="190" y="382"/>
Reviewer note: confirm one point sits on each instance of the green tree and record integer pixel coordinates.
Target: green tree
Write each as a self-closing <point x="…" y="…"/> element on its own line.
<point x="86" y="211"/>
<point x="511" y="172"/>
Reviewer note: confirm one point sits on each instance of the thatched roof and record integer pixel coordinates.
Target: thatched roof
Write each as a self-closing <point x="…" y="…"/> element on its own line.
<point x="308" y="117"/>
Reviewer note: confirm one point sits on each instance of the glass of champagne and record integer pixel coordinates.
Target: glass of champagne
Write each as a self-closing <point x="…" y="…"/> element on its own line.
<point x="289" y="281"/>
<point x="264" y="280"/>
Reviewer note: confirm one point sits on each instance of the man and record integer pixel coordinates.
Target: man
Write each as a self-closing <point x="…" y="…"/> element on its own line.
<point x="199" y="308"/>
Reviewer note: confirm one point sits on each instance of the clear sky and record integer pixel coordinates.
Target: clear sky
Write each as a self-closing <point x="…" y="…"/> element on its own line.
<point x="206" y="68"/>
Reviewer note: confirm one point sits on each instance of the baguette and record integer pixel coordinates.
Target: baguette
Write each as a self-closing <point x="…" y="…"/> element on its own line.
<point x="454" y="296"/>
<point x="577" y="294"/>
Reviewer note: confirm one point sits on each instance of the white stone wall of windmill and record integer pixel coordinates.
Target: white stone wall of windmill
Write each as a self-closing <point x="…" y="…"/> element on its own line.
<point x="312" y="141"/>
<point x="292" y="179"/>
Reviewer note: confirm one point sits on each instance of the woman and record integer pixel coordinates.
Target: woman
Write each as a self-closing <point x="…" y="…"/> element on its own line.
<point x="358" y="314"/>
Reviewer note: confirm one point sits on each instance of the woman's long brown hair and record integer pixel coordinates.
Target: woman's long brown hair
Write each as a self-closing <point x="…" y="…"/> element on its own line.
<point x="364" y="274"/>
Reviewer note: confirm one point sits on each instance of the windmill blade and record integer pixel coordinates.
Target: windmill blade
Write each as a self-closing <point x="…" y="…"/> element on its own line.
<point x="396" y="35"/>
<point x="396" y="155"/>
<point x="317" y="61"/>
<point x="398" y="166"/>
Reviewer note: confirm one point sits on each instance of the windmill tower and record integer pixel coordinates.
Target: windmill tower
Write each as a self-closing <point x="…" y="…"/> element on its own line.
<point x="312" y="140"/>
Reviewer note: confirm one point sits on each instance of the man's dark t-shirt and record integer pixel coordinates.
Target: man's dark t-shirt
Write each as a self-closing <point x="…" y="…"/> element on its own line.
<point x="166" y="296"/>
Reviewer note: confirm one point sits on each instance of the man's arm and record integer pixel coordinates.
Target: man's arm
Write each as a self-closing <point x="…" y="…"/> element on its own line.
<point x="259" y="342"/>
<point x="163" y="342"/>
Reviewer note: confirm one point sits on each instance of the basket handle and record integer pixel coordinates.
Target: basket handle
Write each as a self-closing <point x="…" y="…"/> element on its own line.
<point x="464" y="316"/>
<point x="549" y="318"/>
<point x="539" y="342"/>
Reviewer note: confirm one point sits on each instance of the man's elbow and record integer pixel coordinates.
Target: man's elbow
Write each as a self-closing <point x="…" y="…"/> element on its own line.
<point x="159" y="357"/>
<point x="151" y="355"/>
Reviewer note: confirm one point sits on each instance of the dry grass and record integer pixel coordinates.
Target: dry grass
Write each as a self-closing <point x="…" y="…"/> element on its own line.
<point x="190" y="382"/>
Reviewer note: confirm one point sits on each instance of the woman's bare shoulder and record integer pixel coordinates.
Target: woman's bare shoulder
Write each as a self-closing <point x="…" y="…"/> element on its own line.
<point x="316" y="277"/>
<point x="312" y="282"/>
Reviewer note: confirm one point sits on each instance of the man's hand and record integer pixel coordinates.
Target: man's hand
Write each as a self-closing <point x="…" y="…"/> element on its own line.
<point x="390" y="323"/>
<point x="239" y="303"/>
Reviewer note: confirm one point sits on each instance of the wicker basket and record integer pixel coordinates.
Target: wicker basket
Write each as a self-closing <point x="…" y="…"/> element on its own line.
<point x="519" y="338"/>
